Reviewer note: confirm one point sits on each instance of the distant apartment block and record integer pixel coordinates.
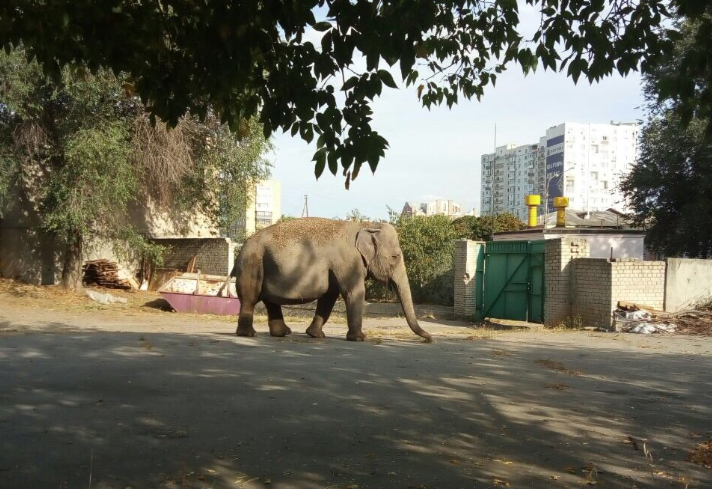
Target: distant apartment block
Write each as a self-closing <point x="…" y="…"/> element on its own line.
<point x="435" y="207"/>
<point x="508" y="175"/>
<point x="264" y="210"/>
<point x="582" y="161"/>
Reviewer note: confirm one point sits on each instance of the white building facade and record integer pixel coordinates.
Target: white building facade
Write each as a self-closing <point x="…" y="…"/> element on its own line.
<point x="264" y="209"/>
<point x="582" y="161"/>
<point x="586" y="162"/>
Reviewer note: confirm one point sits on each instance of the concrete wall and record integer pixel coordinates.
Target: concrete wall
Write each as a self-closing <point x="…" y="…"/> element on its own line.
<point x="558" y="276"/>
<point x="465" y="283"/>
<point x="215" y="255"/>
<point x="34" y="257"/>
<point x="687" y="283"/>
<point x="29" y="256"/>
<point x="624" y="246"/>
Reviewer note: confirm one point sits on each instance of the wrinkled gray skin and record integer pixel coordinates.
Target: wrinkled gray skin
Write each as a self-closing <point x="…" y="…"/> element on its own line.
<point x="302" y="260"/>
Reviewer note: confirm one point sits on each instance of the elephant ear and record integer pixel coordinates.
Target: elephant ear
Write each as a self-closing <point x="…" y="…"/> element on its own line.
<point x="367" y="243"/>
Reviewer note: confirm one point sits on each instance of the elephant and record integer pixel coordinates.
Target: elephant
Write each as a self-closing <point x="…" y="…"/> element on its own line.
<point x="301" y="260"/>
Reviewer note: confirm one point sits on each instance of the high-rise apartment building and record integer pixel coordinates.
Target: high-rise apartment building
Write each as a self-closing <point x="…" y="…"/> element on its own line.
<point x="265" y="209"/>
<point x="508" y="175"/>
<point x="584" y="162"/>
<point x="266" y="206"/>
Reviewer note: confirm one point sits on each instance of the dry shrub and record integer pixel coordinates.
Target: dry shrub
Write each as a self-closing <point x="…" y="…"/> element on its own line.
<point x="164" y="156"/>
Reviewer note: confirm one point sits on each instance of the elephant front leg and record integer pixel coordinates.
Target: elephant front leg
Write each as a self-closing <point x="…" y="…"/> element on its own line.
<point x="275" y="320"/>
<point x="354" y="313"/>
<point x="324" y="306"/>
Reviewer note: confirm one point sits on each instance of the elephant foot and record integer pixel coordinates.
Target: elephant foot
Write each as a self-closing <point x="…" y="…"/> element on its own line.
<point x="315" y="332"/>
<point x="279" y="330"/>
<point x="246" y="332"/>
<point x="360" y="336"/>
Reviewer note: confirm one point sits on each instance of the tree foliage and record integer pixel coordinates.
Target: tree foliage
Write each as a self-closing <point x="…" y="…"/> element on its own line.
<point x="298" y="64"/>
<point x="482" y="228"/>
<point x="670" y="188"/>
<point x="79" y="153"/>
<point x="357" y="216"/>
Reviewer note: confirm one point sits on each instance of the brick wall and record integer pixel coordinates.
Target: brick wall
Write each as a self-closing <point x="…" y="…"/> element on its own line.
<point x="639" y="281"/>
<point x="592" y="298"/>
<point x="558" y="274"/>
<point x="465" y="277"/>
<point x="215" y="255"/>
<point x="599" y="284"/>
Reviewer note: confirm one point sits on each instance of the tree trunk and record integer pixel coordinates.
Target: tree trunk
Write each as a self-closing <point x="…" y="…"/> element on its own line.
<point x="72" y="268"/>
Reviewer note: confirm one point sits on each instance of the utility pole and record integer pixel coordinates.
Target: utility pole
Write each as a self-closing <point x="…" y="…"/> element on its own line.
<point x="305" y="209"/>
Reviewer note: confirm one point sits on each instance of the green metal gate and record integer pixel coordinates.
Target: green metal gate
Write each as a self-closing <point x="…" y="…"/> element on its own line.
<point x="514" y="280"/>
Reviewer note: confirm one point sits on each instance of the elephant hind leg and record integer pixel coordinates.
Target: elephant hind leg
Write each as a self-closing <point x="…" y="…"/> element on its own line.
<point x="244" y="320"/>
<point x="324" y="306"/>
<point x="275" y="320"/>
<point x="248" y="284"/>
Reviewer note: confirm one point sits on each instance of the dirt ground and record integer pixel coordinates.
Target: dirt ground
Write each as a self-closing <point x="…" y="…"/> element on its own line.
<point x="132" y="396"/>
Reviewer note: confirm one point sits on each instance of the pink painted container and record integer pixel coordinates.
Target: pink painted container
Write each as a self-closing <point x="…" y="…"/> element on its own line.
<point x="194" y="293"/>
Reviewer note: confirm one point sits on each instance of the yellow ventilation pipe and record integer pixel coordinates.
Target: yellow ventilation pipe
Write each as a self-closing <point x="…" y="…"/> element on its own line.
<point x="561" y="203"/>
<point x="532" y="201"/>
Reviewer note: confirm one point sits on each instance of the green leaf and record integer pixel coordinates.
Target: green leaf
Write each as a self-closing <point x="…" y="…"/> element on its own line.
<point x="322" y="26"/>
<point x="320" y="159"/>
<point x="333" y="163"/>
<point x="387" y="78"/>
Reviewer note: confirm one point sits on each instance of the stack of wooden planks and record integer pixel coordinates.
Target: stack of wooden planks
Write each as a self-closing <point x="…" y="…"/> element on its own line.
<point x="104" y="273"/>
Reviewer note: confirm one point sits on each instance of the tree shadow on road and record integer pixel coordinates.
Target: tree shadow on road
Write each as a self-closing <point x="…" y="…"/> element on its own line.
<point x="212" y="410"/>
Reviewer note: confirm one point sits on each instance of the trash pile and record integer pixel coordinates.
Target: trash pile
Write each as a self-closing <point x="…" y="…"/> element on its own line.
<point x="105" y="299"/>
<point x="633" y="318"/>
<point x="630" y="317"/>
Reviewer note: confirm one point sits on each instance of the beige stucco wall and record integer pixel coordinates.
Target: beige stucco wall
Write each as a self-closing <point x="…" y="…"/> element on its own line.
<point x="687" y="283"/>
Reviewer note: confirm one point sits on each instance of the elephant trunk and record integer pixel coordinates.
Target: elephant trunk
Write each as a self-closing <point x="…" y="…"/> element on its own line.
<point x="400" y="280"/>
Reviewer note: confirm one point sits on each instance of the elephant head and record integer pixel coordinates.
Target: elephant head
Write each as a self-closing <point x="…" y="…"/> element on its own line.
<point x="383" y="258"/>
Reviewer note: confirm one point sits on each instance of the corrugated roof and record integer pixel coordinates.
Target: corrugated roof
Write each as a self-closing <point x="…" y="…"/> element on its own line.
<point x="610" y="218"/>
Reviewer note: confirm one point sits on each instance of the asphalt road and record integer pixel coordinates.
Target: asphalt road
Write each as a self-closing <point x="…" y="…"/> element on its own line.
<point x="172" y="402"/>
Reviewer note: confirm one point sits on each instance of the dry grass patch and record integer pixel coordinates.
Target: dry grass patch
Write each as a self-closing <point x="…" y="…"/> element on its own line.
<point x="557" y="366"/>
<point x="702" y="454"/>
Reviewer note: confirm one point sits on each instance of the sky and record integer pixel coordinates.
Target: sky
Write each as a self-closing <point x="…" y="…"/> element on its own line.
<point x="436" y="154"/>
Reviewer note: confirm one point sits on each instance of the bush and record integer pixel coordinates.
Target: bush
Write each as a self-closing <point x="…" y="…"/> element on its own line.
<point x="428" y="244"/>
